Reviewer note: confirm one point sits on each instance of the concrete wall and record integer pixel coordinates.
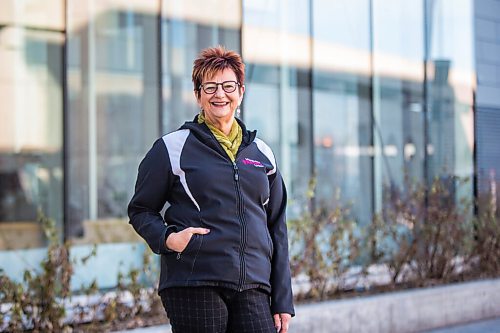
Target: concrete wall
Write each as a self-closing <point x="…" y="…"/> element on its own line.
<point x="408" y="311"/>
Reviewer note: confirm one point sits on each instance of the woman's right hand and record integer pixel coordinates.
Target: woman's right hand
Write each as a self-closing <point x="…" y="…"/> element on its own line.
<point x="177" y="241"/>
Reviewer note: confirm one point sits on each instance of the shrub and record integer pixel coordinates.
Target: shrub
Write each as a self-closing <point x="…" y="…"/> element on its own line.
<point x="322" y="246"/>
<point x="425" y="234"/>
<point x="40" y="302"/>
<point x="487" y="237"/>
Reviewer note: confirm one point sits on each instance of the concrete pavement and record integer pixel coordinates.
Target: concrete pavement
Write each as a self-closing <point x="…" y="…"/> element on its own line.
<point x="486" y="326"/>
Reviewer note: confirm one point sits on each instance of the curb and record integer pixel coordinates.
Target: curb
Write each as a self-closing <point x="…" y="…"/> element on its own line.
<point x="405" y="311"/>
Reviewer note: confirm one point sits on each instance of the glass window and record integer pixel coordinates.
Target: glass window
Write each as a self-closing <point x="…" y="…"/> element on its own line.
<point x="31" y="126"/>
<point x="188" y="27"/>
<point x="451" y="81"/>
<point x="398" y="76"/>
<point x="113" y="111"/>
<point x="278" y="96"/>
<point x="341" y="104"/>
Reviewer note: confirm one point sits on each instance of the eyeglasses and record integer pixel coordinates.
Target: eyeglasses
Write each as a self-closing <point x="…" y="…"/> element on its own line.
<point x="211" y="87"/>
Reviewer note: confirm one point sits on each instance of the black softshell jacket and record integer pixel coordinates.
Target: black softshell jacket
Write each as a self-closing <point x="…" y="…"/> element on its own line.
<point x="242" y="203"/>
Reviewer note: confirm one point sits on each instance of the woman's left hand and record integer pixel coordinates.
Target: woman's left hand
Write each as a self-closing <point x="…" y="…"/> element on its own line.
<point x="281" y="322"/>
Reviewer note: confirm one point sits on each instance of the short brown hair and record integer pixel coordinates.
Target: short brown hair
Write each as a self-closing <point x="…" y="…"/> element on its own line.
<point x="214" y="59"/>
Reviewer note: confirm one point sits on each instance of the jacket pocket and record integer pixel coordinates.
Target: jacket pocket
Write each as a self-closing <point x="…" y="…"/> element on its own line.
<point x="191" y="247"/>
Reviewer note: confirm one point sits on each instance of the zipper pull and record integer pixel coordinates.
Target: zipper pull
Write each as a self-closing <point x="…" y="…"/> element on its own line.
<point x="235" y="167"/>
<point x="178" y="256"/>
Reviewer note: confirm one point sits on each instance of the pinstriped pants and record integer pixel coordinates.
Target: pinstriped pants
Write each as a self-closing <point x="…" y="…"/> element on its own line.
<point x="217" y="310"/>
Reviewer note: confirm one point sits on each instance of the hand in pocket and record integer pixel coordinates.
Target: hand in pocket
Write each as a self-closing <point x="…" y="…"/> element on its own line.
<point x="178" y="241"/>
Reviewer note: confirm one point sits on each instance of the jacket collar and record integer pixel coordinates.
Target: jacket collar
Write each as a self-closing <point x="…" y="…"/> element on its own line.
<point x="202" y="131"/>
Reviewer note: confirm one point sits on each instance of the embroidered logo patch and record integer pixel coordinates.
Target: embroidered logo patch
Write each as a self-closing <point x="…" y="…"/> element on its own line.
<point x="257" y="164"/>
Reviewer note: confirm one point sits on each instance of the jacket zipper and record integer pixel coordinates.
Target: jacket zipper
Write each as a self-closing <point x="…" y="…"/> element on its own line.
<point x="241" y="214"/>
<point x="243" y="234"/>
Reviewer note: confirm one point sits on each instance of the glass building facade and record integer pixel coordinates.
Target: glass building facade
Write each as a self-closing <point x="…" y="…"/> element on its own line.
<point x="358" y="94"/>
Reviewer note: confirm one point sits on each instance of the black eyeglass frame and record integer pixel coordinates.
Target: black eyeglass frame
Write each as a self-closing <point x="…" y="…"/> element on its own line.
<point x="202" y="86"/>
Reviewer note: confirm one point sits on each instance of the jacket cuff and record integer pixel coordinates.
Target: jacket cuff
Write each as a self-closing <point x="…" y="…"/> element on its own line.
<point x="275" y="309"/>
<point x="170" y="229"/>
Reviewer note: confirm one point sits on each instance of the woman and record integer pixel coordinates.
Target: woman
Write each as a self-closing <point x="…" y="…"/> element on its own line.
<point x="223" y="239"/>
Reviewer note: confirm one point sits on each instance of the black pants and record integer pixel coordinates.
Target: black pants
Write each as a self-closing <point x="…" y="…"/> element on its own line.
<point x="215" y="309"/>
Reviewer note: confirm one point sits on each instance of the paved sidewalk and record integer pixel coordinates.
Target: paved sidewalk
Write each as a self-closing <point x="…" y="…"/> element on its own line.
<point x="486" y="326"/>
<point x="152" y="329"/>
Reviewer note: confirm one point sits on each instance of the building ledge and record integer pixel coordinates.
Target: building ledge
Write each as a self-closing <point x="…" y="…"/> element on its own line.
<point x="405" y="311"/>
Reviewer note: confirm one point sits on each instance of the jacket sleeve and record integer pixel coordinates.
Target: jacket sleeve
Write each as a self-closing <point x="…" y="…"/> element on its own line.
<point x="154" y="180"/>
<point x="281" y="284"/>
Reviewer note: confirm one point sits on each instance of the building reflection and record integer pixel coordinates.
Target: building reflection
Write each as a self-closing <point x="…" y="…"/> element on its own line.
<point x="337" y="88"/>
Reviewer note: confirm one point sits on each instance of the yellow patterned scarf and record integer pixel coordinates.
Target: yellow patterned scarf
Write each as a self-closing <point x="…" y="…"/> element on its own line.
<point x="230" y="143"/>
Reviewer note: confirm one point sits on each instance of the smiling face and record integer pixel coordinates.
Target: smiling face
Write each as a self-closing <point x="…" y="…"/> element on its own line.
<point x="219" y="107"/>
